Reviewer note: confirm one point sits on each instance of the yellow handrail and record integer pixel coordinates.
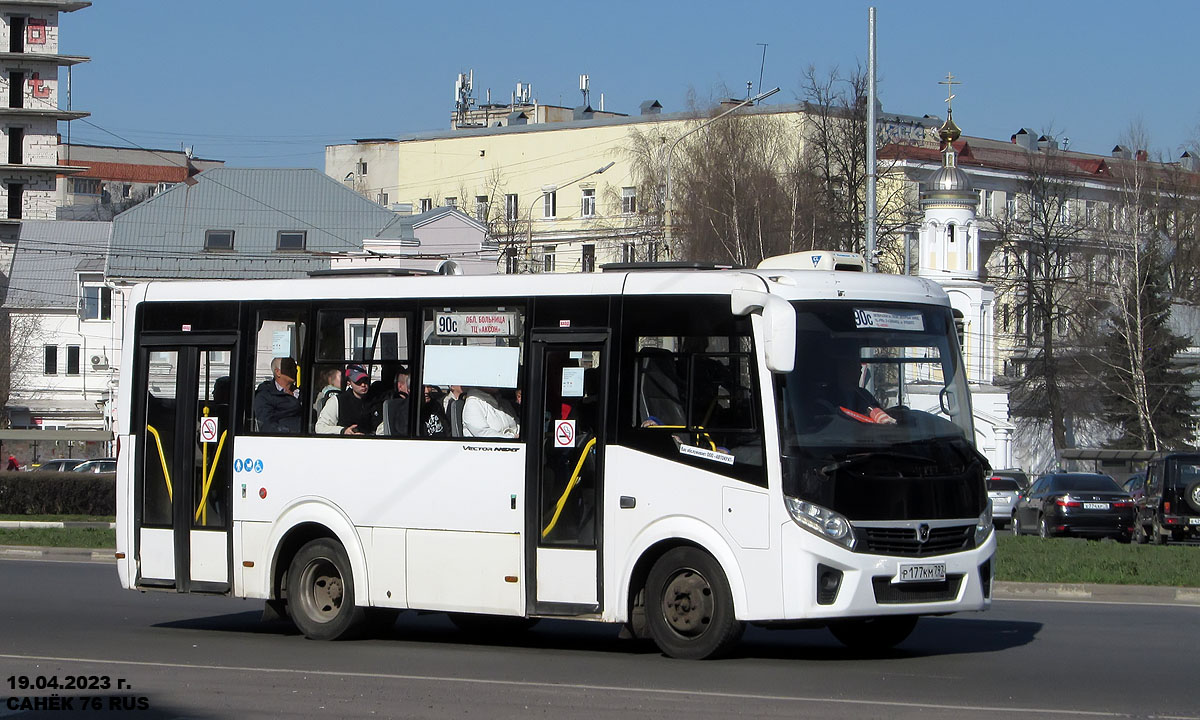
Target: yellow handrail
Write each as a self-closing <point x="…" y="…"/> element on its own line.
<point x="202" y="509"/>
<point x="712" y="445"/>
<point x="163" y="459"/>
<point x="562" y="500"/>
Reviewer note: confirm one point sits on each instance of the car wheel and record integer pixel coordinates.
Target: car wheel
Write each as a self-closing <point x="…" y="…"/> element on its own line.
<point x="689" y="608"/>
<point x="320" y="587"/>
<point x="876" y="633"/>
<point x="1043" y="528"/>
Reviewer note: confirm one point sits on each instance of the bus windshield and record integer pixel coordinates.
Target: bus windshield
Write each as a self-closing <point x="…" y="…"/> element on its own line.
<point x="877" y="402"/>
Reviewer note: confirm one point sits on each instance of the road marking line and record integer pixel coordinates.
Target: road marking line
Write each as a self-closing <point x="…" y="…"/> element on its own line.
<point x="1098" y="602"/>
<point x="577" y="686"/>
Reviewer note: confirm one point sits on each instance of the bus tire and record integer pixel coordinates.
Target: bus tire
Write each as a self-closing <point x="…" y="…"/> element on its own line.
<point x="873" y="633"/>
<point x="321" y="592"/>
<point x="689" y="608"/>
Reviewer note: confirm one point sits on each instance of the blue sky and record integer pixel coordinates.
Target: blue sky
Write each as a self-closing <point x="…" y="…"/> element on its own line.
<point x="268" y="83"/>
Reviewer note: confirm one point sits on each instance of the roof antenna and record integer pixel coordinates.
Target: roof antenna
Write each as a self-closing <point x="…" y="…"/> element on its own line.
<point x="763" y="65"/>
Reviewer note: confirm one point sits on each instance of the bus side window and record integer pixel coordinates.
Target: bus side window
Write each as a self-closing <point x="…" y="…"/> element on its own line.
<point x="279" y="348"/>
<point x="472" y="356"/>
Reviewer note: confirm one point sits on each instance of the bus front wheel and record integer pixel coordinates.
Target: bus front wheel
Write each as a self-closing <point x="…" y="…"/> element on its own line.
<point x="320" y="587"/>
<point x="689" y="608"/>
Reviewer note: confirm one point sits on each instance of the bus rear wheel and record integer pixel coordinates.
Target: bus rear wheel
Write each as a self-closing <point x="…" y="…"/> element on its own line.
<point x="873" y="633"/>
<point x="689" y="608"/>
<point x="321" y="592"/>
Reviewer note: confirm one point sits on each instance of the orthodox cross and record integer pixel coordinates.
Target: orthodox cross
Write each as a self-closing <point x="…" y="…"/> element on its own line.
<point x="949" y="82"/>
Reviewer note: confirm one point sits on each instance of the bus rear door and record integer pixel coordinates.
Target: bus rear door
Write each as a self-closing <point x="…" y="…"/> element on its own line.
<point x="567" y="458"/>
<point x="183" y="469"/>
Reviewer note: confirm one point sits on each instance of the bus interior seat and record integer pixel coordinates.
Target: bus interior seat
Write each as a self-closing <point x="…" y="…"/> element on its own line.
<point x="659" y="387"/>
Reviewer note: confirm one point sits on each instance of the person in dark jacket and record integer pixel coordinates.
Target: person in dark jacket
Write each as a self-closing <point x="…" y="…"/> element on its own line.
<point x="277" y="401"/>
<point x="395" y="409"/>
<point x="349" y="412"/>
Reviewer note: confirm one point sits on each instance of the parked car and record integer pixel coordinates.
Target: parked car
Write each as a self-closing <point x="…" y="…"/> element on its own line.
<point x="1003" y="492"/>
<point x="58" y="465"/>
<point x="1017" y="474"/>
<point x="99" y="465"/>
<point x="1069" y="503"/>
<point x="1171" y="507"/>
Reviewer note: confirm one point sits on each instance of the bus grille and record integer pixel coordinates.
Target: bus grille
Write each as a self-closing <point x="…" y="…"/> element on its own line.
<point x="903" y="540"/>
<point x="890" y="593"/>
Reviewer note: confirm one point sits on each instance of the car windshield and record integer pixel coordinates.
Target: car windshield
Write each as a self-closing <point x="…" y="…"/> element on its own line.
<point x="1084" y="482"/>
<point x="1002" y="485"/>
<point x="875" y="417"/>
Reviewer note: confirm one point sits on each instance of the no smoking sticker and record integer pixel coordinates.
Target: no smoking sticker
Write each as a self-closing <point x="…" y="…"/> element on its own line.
<point x="564" y="433"/>
<point x="208" y="430"/>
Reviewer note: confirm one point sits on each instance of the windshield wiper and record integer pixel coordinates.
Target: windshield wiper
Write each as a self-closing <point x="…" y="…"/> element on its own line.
<point x="859" y="458"/>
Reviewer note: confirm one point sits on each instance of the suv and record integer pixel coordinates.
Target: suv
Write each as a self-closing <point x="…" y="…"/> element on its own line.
<point x="1171" y="510"/>
<point x="1013" y="474"/>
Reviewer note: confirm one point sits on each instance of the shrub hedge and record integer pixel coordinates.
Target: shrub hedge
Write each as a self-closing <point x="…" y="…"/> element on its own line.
<point x="51" y="493"/>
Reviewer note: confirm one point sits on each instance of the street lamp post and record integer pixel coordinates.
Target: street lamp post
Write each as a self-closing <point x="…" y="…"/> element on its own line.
<point x="546" y="190"/>
<point x="671" y="153"/>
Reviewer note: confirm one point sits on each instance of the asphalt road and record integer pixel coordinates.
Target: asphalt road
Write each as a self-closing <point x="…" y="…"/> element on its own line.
<point x="210" y="657"/>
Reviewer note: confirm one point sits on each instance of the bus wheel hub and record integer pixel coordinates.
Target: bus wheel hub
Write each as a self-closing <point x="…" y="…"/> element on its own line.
<point x="688" y="603"/>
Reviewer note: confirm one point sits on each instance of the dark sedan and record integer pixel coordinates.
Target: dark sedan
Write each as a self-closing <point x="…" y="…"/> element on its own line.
<point x="1084" y="504"/>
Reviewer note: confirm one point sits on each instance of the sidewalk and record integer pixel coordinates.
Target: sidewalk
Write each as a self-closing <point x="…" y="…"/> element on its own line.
<point x="1141" y="594"/>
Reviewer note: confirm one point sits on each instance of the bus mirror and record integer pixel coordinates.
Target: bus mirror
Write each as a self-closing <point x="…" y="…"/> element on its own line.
<point x="779" y="326"/>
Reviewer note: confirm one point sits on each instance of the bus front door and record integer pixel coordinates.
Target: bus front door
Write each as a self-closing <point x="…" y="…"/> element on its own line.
<point x="568" y="420"/>
<point x="183" y="468"/>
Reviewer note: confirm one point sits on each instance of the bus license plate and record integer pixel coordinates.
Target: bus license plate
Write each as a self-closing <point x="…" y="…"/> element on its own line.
<point x="1095" y="506"/>
<point x="921" y="572"/>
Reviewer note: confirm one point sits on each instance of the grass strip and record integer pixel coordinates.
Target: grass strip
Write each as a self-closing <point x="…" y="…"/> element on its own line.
<point x="89" y="538"/>
<point x="1074" y="560"/>
<point x="57" y="518"/>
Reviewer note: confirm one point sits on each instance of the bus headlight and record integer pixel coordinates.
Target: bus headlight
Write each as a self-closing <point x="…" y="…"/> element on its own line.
<point x="821" y="521"/>
<point x="983" y="525"/>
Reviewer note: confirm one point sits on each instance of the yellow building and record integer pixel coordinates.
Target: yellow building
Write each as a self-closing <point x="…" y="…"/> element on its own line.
<point x="561" y="196"/>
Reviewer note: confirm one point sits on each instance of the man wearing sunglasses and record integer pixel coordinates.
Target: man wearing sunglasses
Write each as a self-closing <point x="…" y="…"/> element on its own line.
<point x="347" y="412"/>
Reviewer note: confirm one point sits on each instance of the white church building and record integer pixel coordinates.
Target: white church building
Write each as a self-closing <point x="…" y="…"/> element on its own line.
<point x="950" y="255"/>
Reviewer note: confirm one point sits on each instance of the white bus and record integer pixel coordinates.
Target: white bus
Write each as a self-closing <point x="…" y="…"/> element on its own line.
<point x="681" y="451"/>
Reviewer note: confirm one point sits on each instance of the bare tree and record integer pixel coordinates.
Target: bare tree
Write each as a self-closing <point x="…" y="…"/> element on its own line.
<point x="1055" y="308"/>
<point x="19" y="356"/>
<point x="835" y="129"/>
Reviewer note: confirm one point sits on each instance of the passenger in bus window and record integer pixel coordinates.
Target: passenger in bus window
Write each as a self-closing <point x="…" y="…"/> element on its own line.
<point x="277" y="401"/>
<point x="348" y="412"/>
<point x="434" y="422"/>
<point x="332" y="377"/>
<point x="484" y="415"/>
<point x="395" y="408"/>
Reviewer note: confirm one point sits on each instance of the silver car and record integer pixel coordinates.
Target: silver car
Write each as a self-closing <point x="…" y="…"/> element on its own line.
<point x="1003" y="493"/>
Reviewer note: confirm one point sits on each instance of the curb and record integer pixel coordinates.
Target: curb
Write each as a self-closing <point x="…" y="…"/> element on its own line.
<point x="1085" y="592"/>
<point x="28" y="524"/>
<point x="30" y="552"/>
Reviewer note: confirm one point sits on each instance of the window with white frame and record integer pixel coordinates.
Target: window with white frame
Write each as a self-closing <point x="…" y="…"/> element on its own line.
<point x="49" y="359"/>
<point x="628" y="200"/>
<point x="426" y="204"/>
<point x="548" y="259"/>
<point x="512" y="207"/>
<point x="95" y="302"/>
<point x="481" y="208"/>
<point x="360" y="167"/>
<point x="587" y="204"/>
<point x="72" y="359"/>
<point x="549" y="204"/>
<point x="383" y="199"/>
<point x="1010" y="206"/>
<point x="450" y="202"/>
<point x="588" y="258"/>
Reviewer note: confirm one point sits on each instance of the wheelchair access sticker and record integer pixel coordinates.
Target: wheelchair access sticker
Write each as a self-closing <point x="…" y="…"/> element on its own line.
<point x="248" y="465"/>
